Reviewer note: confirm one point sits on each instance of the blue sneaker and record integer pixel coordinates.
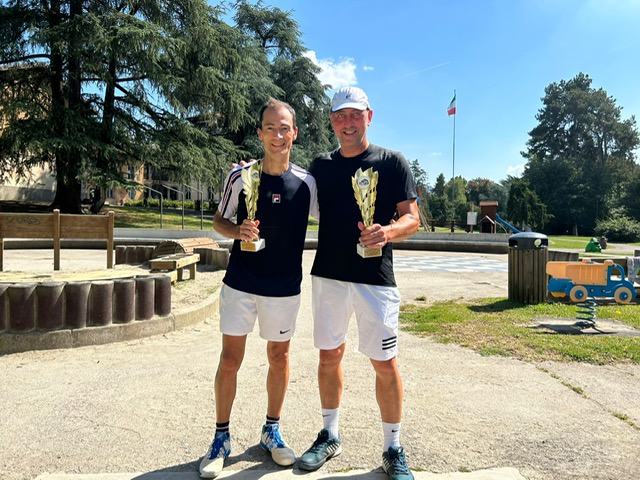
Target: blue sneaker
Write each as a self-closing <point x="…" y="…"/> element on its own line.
<point x="213" y="462"/>
<point x="395" y="464"/>
<point x="271" y="440"/>
<point x="322" y="450"/>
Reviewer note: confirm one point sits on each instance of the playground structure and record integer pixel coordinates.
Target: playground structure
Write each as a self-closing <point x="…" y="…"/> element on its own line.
<point x="489" y="218"/>
<point x="506" y="225"/>
<point x="581" y="280"/>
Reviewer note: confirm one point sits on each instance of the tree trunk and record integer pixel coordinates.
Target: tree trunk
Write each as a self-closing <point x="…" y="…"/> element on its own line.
<point x="64" y="101"/>
<point x="67" y="198"/>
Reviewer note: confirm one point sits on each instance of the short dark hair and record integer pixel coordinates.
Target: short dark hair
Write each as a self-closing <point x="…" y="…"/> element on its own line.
<point x="273" y="103"/>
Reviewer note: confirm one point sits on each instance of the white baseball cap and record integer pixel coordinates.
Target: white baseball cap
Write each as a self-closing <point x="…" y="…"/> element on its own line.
<point x="350" y="97"/>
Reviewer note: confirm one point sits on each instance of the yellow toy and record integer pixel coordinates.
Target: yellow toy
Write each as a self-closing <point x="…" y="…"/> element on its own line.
<point x="581" y="280"/>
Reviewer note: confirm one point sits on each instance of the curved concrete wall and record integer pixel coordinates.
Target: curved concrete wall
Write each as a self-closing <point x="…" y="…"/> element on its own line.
<point x="28" y="309"/>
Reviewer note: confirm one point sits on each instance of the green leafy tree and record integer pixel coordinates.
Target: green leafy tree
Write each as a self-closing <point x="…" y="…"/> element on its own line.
<point x="505" y="183"/>
<point x="276" y="37"/>
<point x="439" y="187"/>
<point x="455" y="191"/>
<point x="420" y="176"/>
<point x="439" y="204"/>
<point x="629" y="195"/>
<point x="118" y="83"/>
<point x="90" y="87"/>
<point x="525" y="208"/>
<point x="578" y="153"/>
<point x="480" y="189"/>
<point x="439" y="208"/>
<point x="421" y="179"/>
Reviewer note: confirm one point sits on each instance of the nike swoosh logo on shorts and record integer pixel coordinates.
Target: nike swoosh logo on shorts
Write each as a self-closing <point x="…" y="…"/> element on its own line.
<point x="282" y="332"/>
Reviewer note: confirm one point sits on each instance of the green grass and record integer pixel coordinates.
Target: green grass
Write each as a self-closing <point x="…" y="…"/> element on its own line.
<point x="143" y="217"/>
<point x="568" y="242"/>
<point x="564" y="242"/>
<point x="500" y="327"/>
<point x="149" y="217"/>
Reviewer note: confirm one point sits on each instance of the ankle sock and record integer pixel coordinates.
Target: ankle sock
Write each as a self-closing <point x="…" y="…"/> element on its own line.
<point x="331" y="420"/>
<point x="222" y="427"/>
<point x="391" y="435"/>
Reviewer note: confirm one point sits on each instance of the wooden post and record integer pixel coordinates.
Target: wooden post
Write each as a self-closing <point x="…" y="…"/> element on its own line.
<point x="56" y="239"/>
<point x="110" y="227"/>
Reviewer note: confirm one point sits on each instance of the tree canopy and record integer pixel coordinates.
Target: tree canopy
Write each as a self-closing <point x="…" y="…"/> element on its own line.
<point x="90" y="87"/>
<point x="579" y="154"/>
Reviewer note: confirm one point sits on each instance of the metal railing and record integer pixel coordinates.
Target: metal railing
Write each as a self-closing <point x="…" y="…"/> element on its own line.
<point x="181" y="193"/>
<point x="161" y="198"/>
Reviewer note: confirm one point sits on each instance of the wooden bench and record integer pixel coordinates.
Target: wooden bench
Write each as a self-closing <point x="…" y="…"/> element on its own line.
<point x="177" y="262"/>
<point x="57" y="226"/>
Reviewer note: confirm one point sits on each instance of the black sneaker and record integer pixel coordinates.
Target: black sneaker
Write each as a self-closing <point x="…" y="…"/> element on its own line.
<point x="322" y="450"/>
<point x="395" y="464"/>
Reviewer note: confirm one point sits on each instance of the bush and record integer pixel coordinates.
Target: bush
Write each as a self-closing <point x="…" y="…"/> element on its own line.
<point x="621" y="229"/>
<point x="154" y="202"/>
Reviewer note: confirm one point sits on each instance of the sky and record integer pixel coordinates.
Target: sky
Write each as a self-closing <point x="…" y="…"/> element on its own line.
<point x="497" y="55"/>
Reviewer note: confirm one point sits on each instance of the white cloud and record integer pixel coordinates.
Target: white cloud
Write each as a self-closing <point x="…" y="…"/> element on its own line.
<point x="436" y="154"/>
<point x="337" y="74"/>
<point x="367" y="68"/>
<point x="515" y="170"/>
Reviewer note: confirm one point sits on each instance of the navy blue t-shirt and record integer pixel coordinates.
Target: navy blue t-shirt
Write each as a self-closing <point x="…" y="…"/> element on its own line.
<point x="284" y="205"/>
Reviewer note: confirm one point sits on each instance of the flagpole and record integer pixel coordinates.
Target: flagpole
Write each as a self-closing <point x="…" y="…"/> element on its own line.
<point x="454" y="150"/>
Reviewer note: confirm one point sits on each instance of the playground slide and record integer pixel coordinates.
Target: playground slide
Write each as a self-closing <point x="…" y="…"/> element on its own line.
<point x="506" y="225"/>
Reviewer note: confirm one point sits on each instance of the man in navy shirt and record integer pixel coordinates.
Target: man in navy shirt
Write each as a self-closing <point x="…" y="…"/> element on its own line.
<point x="263" y="285"/>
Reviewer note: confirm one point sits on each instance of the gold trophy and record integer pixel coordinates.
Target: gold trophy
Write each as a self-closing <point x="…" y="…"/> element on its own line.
<point x="250" y="187"/>
<point x="364" y="187"/>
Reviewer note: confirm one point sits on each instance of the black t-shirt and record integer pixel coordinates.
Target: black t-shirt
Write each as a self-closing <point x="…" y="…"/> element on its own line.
<point x="338" y="235"/>
<point x="284" y="205"/>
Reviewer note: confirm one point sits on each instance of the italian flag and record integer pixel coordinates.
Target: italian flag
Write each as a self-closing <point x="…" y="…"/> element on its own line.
<point x="451" y="109"/>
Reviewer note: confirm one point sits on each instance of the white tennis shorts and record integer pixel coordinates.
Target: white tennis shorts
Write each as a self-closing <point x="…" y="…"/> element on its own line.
<point x="276" y="315"/>
<point x="376" y="308"/>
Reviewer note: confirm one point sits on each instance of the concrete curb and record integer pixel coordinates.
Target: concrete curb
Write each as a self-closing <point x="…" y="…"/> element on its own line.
<point x="490" y="474"/>
<point x="100" y="335"/>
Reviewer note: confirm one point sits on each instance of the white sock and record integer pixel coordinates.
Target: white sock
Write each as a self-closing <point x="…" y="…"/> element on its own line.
<point x="391" y="435"/>
<point x="331" y="420"/>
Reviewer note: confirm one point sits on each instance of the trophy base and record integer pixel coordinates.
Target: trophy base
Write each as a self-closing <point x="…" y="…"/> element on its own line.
<point x="252" y="246"/>
<point x="369" y="252"/>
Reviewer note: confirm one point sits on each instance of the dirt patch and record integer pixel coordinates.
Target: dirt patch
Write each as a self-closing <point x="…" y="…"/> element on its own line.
<point x="193" y="292"/>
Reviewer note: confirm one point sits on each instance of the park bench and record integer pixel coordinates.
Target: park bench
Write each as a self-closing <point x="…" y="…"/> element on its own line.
<point x="176" y="263"/>
<point x="57" y="226"/>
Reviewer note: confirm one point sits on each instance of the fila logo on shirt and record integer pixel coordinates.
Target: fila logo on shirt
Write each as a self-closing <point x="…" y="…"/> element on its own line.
<point x="275" y="198"/>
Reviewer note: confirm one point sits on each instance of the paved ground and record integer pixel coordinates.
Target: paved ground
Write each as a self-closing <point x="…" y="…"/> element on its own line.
<point x="146" y="406"/>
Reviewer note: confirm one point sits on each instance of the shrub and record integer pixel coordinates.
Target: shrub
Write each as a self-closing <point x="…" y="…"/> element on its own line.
<point x="621" y="229"/>
<point x="154" y="202"/>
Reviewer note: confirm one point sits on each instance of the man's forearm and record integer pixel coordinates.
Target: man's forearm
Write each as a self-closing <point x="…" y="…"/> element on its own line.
<point x="405" y="227"/>
<point x="226" y="227"/>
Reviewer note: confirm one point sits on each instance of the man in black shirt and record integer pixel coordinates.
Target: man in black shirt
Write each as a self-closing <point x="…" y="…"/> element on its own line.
<point x="345" y="283"/>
